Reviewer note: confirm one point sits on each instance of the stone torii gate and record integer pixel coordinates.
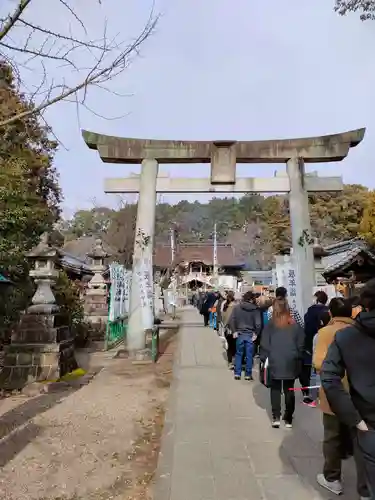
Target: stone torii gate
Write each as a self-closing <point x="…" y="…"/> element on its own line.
<point x="223" y="157"/>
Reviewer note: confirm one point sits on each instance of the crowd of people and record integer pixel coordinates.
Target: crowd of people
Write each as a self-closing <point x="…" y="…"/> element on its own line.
<point x="331" y="351"/>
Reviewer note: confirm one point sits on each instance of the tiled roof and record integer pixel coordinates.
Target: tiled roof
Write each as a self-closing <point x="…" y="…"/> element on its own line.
<point x="81" y="247"/>
<point x="75" y="263"/>
<point x="201" y="252"/>
<point x="343" y="254"/>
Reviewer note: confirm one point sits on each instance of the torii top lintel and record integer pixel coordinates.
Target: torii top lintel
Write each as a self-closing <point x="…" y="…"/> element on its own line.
<point x="325" y="148"/>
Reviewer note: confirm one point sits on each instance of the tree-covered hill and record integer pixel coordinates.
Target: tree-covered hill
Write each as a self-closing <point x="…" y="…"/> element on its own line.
<point x="255" y="225"/>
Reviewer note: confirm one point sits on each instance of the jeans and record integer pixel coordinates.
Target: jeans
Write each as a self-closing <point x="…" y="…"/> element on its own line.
<point x="314" y="380"/>
<point x="244" y="344"/>
<point x="290" y="401"/>
<point x="212" y="319"/>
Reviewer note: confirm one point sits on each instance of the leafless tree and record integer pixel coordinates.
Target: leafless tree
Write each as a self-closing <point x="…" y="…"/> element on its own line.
<point x="52" y="56"/>
<point x="366" y="8"/>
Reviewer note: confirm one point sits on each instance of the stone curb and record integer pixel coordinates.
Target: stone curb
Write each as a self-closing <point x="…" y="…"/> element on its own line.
<point x="163" y="473"/>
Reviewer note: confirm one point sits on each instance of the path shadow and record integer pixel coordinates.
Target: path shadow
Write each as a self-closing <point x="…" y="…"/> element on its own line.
<point x="14" y="434"/>
<point x="261" y="395"/>
<point x="301" y="448"/>
<point x="14" y="443"/>
<point x="166" y="339"/>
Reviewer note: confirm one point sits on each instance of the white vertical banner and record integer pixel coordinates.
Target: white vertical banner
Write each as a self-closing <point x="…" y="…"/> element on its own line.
<point x="121" y="284"/>
<point x="281" y="270"/>
<point x="127" y="285"/>
<point x="146" y="294"/>
<point x="294" y="286"/>
<point x="112" y="297"/>
<point x="116" y="309"/>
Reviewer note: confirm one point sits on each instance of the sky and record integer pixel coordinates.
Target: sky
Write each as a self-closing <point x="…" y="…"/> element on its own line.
<point x="243" y="70"/>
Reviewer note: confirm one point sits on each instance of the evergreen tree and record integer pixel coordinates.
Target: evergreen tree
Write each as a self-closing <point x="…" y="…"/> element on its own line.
<point x="367" y="226"/>
<point x="29" y="191"/>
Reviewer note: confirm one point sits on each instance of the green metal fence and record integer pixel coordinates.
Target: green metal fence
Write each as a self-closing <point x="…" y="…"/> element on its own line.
<point x="116" y="332"/>
<point x="155" y="343"/>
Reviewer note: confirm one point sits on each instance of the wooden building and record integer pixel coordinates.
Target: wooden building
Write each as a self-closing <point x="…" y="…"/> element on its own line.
<point x="348" y="265"/>
<point x="195" y="263"/>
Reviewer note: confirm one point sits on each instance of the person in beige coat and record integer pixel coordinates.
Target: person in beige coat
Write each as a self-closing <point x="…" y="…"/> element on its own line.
<point x="336" y="436"/>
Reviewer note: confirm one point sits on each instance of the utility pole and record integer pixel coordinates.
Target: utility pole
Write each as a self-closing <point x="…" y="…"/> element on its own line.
<point x="215" y="254"/>
<point x="173" y="277"/>
<point x="173" y="249"/>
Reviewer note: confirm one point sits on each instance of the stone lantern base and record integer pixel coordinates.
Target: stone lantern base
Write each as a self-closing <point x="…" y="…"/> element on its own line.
<point x="96" y="307"/>
<point x="38" y="352"/>
<point x="27" y="363"/>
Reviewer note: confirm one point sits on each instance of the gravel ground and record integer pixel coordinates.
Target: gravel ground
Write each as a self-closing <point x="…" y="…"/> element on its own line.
<point x="99" y="442"/>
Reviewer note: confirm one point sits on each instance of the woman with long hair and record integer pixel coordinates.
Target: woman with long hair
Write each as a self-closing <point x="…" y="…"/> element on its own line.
<point x="282" y="344"/>
<point x="231" y="341"/>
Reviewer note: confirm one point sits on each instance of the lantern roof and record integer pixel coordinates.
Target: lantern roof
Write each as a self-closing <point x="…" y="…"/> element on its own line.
<point x="43" y="250"/>
<point x="98" y="252"/>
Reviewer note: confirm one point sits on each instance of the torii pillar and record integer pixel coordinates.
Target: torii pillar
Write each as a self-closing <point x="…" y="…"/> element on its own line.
<point x="223" y="157"/>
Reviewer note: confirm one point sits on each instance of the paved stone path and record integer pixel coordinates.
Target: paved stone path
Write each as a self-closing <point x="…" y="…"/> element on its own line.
<point x="218" y="442"/>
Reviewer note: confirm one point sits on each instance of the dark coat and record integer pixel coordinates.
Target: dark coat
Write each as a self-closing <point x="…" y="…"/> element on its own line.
<point x="208" y="302"/>
<point x="284" y="349"/>
<point x="245" y="318"/>
<point x="352" y="352"/>
<point x="312" y="321"/>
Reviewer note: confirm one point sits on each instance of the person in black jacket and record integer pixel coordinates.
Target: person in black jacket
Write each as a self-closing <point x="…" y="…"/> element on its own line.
<point x="282" y="344"/>
<point x="313" y="320"/>
<point x="208" y="302"/>
<point x="353" y="352"/>
<point x="245" y="323"/>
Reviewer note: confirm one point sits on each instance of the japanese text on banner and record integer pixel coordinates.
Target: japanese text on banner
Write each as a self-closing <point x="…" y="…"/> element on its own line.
<point x="292" y="285"/>
<point x="144" y="278"/>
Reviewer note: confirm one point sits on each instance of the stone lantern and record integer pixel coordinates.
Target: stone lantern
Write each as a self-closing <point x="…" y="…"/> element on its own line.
<point x="34" y="352"/>
<point x="45" y="275"/>
<point x="96" y="307"/>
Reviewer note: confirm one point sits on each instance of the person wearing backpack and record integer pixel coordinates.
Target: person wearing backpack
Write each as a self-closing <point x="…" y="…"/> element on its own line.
<point x="352" y="352"/>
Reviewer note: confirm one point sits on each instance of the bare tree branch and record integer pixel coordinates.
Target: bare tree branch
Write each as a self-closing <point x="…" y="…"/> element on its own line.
<point x="105" y="58"/>
<point x="11" y="20"/>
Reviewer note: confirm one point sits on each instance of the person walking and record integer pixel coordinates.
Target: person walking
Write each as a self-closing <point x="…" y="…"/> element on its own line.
<point x="208" y="303"/>
<point x="245" y="323"/>
<point x="336" y="439"/>
<point x="231" y="341"/>
<point x="352" y="352"/>
<point x="282" y="344"/>
<point x="313" y="318"/>
<point x="219" y="309"/>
